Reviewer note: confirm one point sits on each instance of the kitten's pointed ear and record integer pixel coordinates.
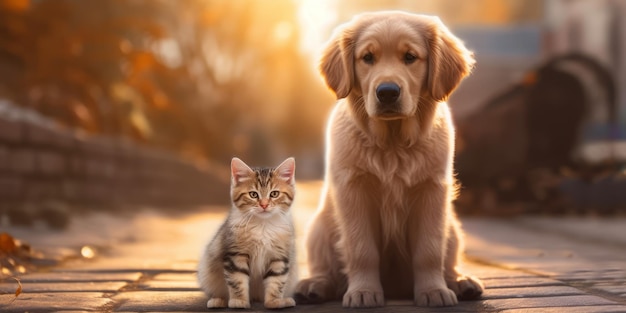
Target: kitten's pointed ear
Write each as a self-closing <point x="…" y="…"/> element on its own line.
<point x="240" y="172"/>
<point x="287" y="170"/>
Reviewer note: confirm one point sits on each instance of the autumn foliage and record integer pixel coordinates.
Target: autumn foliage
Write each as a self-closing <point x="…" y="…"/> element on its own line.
<point x="205" y="78"/>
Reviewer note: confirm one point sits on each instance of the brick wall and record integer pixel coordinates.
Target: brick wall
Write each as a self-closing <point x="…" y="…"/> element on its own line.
<point x="41" y="162"/>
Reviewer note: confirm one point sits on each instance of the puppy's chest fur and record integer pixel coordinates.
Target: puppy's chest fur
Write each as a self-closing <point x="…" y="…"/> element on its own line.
<point x="394" y="172"/>
<point x="401" y="167"/>
<point x="395" y="167"/>
<point x="396" y="164"/>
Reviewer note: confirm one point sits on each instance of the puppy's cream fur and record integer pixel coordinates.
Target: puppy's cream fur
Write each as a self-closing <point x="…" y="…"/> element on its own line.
<point x="386" y="212"/>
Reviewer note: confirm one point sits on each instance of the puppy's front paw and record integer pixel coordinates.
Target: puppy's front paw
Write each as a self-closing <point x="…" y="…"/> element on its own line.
<point x="364" y="298"/>
<point x="280" y="303"/>
<point x="466" y="287"/>
<point x="312" y="290"/>
<point x="238" y="304"/>
<point x="436" y="297"/>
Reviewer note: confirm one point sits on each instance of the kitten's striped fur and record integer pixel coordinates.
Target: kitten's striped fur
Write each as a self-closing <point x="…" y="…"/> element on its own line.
<point x="252" y="256"/>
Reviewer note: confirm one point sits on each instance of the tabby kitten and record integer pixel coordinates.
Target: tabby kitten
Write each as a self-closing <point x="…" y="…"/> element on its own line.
<point x="252" y="256"/>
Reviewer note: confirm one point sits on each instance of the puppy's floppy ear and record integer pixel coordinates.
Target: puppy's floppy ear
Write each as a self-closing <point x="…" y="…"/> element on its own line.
<point x="449" y="61"/>
<point x="337" y="62"/>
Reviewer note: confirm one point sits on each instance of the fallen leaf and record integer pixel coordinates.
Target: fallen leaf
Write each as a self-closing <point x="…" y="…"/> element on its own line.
<point x="18" y="291"/>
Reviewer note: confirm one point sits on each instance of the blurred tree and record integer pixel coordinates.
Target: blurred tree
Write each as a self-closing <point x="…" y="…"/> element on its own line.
<point x="188" y="75"/>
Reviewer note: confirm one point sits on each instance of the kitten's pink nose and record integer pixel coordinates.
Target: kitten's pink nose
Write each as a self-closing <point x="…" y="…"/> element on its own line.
<point x="264" y="204"/>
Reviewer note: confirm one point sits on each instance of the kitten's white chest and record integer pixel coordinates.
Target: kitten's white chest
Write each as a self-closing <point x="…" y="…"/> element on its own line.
<point x="261" y="245"/>
<point x="264" y="241"/>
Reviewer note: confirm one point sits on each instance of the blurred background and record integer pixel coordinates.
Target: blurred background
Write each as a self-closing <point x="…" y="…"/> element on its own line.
<point x="106" y="104"/>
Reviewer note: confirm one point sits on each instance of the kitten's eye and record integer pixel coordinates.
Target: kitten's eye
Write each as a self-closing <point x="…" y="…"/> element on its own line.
<point x="409" y="58"/>
<point x="274" y="194"/>
<point x="368" y="58"/>
<point x="253" y="194"/>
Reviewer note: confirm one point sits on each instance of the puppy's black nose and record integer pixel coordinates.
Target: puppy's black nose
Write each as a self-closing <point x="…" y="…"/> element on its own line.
<point x="387" y="92"/>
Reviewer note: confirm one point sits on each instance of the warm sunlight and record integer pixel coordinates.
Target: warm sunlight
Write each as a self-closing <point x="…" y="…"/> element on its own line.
<point x="316" y="18"/>
<point x="121" y="123"/>
<point x="283" y="31"/>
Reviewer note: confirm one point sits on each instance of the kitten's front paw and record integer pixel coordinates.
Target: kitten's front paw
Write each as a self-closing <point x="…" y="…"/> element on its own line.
<point x="280" y="303"/>
<point x="216" y="303"/>
<point x="436" y="297"/>
<point x="238" y="304"/>
<point x="363" y="298"/>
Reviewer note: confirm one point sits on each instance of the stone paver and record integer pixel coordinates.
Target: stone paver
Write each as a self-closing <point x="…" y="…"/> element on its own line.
<point x="571" y="309"/>
<point x="171" y="285"/>
<point x="611" y="274"/>
<point x="546" y="302"/>
<point x="615" y="288"/>
<point x="521" y="282"/>
<point x="163" y="301"/>
<point x="530" y="292"/>
<point x="80" y="277"/>
<point x="47" y="302"/>
<point x="594" y="265"/>
<point x="86" y="286"/>
<point x="177" y="277"/>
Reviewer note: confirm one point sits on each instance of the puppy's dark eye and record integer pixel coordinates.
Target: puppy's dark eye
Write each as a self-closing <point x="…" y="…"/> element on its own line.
<point x="274" y="194"/>
<point x="409" y="58"/>
<point x="253" y="194"/>
<point x="368" y="58"/>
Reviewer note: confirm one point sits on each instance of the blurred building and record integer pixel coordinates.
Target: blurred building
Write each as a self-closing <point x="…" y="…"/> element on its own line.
<point x="597" y="29"/>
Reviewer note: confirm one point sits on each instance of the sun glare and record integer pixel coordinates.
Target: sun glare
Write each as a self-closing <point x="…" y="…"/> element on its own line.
<point x="283" y="32"/>
<point x="316" y="18"/>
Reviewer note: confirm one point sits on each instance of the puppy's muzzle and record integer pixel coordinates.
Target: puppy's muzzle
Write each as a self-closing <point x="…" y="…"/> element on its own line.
<point x="387" y="95"/>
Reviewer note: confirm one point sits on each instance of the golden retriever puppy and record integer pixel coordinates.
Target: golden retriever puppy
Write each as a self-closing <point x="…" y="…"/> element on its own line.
<point x="386" y="226"/>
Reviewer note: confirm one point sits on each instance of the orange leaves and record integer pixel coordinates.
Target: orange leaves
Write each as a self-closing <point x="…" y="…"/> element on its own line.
<point x="143" y="61"/>
<point x="125" y="46"/>
<point x="7" y="244"/>
<point x="15" y="6"/>
<point x="9" y="250"/>
<point x="83" y="116"/>
<point x="144" y="67"/>
<point x="160" y="100"/>
<point x="189" y="70"/>
<point x="146" y="26"/>
<point x="210" y="17"/>
<point x="12" y="251"/>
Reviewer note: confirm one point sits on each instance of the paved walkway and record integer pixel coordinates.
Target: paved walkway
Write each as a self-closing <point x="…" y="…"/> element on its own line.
<point x="146" y="262"/>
